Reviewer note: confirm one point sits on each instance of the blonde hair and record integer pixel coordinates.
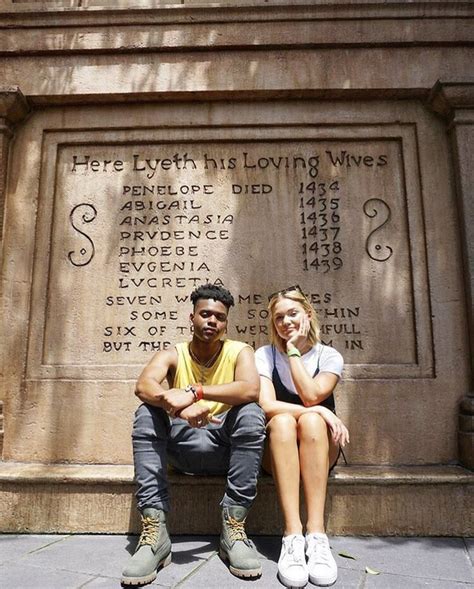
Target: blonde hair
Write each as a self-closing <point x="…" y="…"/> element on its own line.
<point x="297" y="296"/>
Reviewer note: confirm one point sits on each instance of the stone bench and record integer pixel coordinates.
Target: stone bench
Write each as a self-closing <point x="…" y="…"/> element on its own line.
<point x="362" y="500"/>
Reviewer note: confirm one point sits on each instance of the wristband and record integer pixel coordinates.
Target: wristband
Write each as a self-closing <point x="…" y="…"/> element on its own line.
<point x="199" y="391"/>
<point x="293" y="352"/>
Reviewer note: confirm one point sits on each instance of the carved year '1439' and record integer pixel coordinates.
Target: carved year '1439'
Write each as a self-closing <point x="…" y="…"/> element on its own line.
<point x="320" y="226"/>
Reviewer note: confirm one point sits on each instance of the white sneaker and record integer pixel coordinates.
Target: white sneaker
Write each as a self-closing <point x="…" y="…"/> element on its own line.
<point x="292" y="569"/>
<point x="322" y="567"/>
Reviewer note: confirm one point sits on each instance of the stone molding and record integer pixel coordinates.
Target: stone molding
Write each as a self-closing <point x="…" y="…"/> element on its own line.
<point x="453" y="100"/>
<point x="13" y="108"/>
<point x="169" y="26"/>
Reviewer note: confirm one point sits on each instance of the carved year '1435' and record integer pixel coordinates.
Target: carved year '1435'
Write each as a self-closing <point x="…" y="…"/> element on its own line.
<point x="320" y="226"/>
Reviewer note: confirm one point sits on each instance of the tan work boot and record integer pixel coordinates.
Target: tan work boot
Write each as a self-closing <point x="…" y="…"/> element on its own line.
<point x="152" y="552"/>
<point x="235" y="547"/>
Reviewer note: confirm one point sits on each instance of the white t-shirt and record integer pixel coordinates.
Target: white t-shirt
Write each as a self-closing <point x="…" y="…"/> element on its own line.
<point x="330" y="360"/>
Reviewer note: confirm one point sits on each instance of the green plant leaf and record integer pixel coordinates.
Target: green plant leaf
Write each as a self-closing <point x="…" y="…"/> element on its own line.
<point x="370" y="571"/>
<point x="347" y="555"/>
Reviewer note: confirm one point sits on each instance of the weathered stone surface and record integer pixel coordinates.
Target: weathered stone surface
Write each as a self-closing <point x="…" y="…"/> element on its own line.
<point x="363" y="501"/>
<point x="260" y="145"/>
<point x="123" y="251"/>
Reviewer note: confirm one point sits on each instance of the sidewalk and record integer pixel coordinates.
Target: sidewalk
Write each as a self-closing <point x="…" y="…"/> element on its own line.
<point x="95" y="561"/>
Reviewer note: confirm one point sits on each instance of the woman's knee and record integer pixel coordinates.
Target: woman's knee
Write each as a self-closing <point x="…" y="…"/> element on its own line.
<point x="311" y="426"/>
<point x="282" y="427"/>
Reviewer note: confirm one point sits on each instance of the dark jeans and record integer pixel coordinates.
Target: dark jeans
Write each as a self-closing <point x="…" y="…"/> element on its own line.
<point x="233" y="448"/>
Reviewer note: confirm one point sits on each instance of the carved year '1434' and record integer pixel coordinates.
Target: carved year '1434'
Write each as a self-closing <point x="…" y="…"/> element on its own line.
<point x="320" y="226"/>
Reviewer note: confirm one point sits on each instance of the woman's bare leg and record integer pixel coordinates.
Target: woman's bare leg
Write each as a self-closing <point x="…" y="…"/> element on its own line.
<point x="317" y="452"/>
<point x="286" y="469"/>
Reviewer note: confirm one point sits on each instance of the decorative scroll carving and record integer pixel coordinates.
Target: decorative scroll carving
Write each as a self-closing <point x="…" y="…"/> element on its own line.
<point x="86" y="213"/>
<point x="372" y="208"/>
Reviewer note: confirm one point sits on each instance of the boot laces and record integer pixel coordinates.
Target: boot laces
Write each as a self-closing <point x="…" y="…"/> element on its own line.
<point x="236" y="529"/>
<point x="149" y="533"/>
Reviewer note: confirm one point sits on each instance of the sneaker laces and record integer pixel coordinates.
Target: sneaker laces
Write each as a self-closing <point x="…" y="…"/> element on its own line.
<point x="149" y="533"/>
<point x="318" y="549"/>
<point x="297" y="556"/>
<point x="236" y="529"/>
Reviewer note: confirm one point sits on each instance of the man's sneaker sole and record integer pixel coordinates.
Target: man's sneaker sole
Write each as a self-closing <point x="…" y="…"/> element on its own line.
<point x="137" y="581"/>
<point x="242" y="573"/>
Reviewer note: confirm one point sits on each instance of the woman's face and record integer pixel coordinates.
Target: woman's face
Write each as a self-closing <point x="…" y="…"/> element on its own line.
<point x="287" y="316"/>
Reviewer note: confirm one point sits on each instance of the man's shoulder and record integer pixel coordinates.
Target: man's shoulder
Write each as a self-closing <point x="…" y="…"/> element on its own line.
<point x="232" y="348"/>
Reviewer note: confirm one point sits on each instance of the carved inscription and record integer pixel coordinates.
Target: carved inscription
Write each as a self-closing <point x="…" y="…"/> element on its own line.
<point x="149" y="223"/>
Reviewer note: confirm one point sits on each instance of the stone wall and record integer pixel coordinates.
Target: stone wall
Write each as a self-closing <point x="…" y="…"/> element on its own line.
<point x="155" y="146"/>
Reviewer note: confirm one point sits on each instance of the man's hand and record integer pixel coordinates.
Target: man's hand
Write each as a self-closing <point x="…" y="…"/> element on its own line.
<point x="197" y="415"/>
<point x="175" y="400"/>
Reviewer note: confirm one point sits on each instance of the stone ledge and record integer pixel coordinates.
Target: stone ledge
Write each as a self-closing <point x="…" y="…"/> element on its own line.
<point x="118" y="474"/>
<point x="73" y="498"/>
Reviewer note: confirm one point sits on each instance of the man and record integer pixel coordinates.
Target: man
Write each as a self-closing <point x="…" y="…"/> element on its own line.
<point x="208" y="422"/>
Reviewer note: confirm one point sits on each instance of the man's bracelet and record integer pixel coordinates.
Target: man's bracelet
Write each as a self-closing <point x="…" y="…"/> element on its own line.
<point x="196" y="390"/>
<point x="192" y="389"/>
<point x="293" y="352"/>
<point x="199" y="391"/>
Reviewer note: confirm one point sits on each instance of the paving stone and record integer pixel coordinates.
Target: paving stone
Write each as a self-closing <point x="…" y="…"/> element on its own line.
<point x="189" y="553"/>
<point x="92" y="555"/>
<point x="431" y="558"/>
<point x="469" y="542"/>
<point x="14" y="546"/>
<point x="14" y="576"/>
<point x="385" y="581"/>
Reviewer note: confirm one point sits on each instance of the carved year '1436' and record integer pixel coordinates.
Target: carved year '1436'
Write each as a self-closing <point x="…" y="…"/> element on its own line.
<point x="320" y="226"/>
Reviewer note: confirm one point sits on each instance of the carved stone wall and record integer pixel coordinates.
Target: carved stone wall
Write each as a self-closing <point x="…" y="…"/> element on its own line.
<point x="260" y="145"/>
<point x="125" y="222"/>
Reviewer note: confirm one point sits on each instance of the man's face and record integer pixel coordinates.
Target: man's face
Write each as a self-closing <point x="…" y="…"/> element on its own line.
<point x="209" y="320"/>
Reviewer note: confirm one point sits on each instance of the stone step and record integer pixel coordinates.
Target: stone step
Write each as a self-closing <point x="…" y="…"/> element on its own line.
<point x="362" y="500"/>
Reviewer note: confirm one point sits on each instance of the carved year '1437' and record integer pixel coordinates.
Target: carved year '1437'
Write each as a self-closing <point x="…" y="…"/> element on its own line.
<point x="320" y="226"/>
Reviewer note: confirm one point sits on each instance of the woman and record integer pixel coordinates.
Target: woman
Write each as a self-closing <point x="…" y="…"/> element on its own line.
<point x="298" y="375"/>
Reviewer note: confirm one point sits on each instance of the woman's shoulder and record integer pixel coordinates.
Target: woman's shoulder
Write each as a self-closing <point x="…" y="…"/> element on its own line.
<point x="325" y="349"/>
<point x="264" y="351"/>
<point x="330" y="358"/>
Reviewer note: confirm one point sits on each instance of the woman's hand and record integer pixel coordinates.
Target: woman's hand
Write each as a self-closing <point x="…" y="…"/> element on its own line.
<point x="300" y="338"/>
<point x="339" y="432"/>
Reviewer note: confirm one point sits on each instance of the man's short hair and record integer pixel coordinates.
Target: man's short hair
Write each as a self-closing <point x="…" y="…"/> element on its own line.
<point x="213" y="291"/>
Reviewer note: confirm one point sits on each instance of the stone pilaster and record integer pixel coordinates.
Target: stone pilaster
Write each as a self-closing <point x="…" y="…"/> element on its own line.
<point x="13" y="109"/>
<point x="455" y="101"/>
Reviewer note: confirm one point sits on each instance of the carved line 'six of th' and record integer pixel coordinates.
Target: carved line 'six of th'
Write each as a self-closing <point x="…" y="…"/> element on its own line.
<point x="82" y="213"/>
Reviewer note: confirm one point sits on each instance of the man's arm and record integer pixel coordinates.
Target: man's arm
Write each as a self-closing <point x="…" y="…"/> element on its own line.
<point x="149" y="390"/>
<point x="245" y="387"/>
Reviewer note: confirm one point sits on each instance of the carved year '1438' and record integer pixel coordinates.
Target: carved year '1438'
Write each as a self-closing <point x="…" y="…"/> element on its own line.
<point x="320" y="226"/>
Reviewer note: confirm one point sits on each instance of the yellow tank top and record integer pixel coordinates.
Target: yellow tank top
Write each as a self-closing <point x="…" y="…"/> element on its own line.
<point x="221" y="372"/>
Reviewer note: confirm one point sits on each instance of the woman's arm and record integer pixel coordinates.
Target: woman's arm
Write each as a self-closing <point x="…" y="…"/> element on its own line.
<point x="271" y="406"/>
<point x="311" y="390"/>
